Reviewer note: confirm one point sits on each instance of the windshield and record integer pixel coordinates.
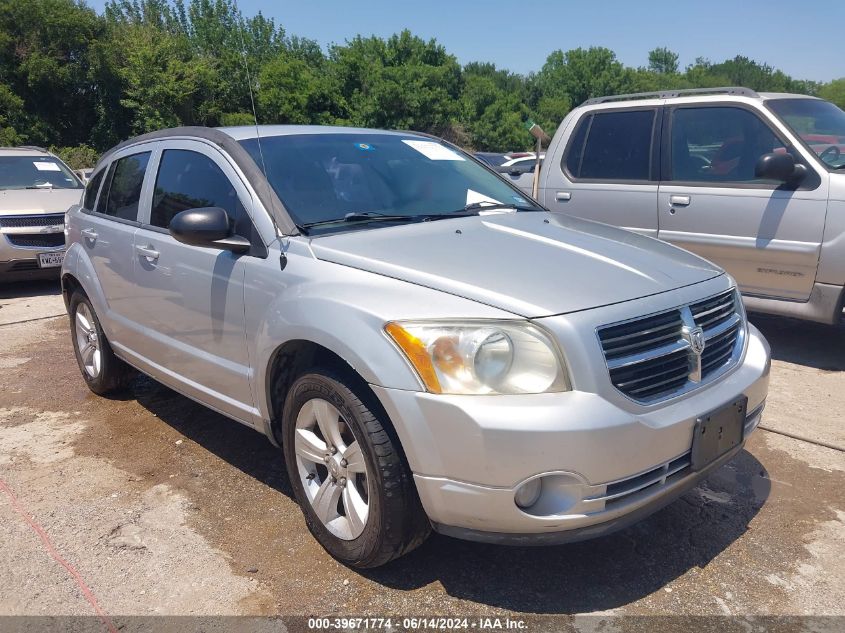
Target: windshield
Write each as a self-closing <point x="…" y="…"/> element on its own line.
<point x="325" y="177"/>
<point x="820" y="124"/>
<point x="35" y="172"/>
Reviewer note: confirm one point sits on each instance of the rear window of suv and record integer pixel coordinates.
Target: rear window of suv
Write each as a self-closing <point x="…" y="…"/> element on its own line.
<point x="612" y="146"/>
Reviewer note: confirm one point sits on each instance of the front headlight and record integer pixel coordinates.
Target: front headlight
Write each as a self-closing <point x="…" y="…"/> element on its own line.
<point x="495" y="357"/>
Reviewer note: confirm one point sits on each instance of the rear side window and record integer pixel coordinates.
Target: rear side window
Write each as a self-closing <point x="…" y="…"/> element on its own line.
<point x="91" y="190"/>
<point x="123" y="192"/>
<point x="190" y="180"/>
<point x="612" y="146"/>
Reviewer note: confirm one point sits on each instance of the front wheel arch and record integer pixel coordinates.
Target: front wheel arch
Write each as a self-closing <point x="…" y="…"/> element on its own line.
<point x="297" y="357"/>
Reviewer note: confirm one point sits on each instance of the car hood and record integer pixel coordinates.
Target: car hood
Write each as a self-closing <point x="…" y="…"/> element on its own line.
<point x="26" y="201"/>
<point x="532" y="264"/>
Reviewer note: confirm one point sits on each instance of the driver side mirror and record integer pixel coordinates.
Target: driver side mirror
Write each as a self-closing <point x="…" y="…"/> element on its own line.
<point x="207" y="227"/>
<point x="780" y="167"/>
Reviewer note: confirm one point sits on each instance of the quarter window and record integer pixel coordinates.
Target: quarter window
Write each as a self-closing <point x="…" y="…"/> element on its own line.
<point x="612" y="146"/>
<point x="719" y="145"/>
<point x="91" y="190"/>
<point x="125" y="179"/>
<point x="189" y="180"/>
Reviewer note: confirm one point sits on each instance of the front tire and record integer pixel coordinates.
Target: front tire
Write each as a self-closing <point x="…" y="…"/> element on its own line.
<point x="348" y="474"/>
<point x="104" y="373"/>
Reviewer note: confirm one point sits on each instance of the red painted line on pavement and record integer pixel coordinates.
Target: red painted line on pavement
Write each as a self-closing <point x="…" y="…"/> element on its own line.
<point x="51" y="550"/>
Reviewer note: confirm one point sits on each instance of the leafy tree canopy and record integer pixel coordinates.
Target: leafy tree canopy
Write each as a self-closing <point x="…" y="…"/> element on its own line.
<point x="70" y="77"/>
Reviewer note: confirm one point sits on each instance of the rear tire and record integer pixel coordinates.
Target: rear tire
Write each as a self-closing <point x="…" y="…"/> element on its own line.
<point x="103" y="372"/>
<point x="371" y="513"/>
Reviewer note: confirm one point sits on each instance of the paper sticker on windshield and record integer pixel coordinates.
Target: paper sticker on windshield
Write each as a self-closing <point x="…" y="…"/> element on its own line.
<point x="473" y="197"/>
<point x="46" y="166"/>
<point x="433" y="151"/>
<point x="365" y="147"/>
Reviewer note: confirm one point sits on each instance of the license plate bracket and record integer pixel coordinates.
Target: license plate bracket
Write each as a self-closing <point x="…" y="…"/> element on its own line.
<point x="717" y="432"/>
<point x="51" y="260"/>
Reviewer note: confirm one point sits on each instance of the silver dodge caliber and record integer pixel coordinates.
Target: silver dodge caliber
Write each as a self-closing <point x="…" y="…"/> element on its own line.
<point x="430" y="348"/>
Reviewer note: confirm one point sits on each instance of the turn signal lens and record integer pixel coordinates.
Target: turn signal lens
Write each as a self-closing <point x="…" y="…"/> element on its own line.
<point x="415" y="350"/>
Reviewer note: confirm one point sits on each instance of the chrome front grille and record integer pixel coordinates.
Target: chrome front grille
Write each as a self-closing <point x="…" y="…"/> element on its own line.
<point x="620" y="492"/>
<point x="654" y="357"/>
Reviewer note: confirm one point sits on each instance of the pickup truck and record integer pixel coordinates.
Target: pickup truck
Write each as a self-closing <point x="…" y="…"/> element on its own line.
<point x="753" y="182"/>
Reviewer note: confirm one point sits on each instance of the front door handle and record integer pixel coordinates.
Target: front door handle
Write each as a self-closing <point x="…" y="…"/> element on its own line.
<point x="679" y="201"/>
<point x="91" y="234"/>
<point x="563" y="196"/>
<point x="148" y="252"/>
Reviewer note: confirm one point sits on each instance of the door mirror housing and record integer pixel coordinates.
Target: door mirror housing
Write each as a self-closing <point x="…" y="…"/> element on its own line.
<point x="207" y="227"/>
<point x="780" y="167"/>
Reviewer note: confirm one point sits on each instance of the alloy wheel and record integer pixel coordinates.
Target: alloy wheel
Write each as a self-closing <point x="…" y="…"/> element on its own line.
<point x="88" y="341"/>
<point x="332" y="469"/>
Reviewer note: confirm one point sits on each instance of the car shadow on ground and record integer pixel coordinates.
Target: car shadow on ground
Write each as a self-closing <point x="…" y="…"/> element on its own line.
<point x="39" y="288"/>
<point x="588" y="576"/>
<point x="803" y="343"/>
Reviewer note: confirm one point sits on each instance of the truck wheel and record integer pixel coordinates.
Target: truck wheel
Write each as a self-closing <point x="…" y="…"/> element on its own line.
<point x="104" y="373"/>
<point x="348" y="474"/>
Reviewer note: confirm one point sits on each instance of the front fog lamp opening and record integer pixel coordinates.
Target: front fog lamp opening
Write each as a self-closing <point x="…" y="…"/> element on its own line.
<point x="528" y="493"/>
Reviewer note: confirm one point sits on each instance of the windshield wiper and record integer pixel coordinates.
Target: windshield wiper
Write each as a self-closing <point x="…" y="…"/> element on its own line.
<point x="489" y="206"/>
<point x="368" y="216"/>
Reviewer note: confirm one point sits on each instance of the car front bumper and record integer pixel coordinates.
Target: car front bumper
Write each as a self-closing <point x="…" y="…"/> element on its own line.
<point x="607" y="464"/>
<point x="20" y="246"/>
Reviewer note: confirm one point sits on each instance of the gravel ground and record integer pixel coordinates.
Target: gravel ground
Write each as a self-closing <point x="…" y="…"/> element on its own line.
<point x="161" y="506"/>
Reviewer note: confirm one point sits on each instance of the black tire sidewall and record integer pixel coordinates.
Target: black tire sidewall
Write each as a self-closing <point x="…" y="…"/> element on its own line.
<point x="102" y="383"/>
<point x="359" y="551"/>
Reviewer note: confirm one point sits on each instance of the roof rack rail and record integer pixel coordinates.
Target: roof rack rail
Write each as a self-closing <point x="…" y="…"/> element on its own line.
<point x="670" y="94"/>
<point x="34" y="147"/>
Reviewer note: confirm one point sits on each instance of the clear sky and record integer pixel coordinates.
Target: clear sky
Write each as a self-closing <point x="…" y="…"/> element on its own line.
<point x="802" y="38"/>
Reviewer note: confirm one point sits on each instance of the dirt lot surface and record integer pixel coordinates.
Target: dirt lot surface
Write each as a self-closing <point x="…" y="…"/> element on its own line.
<point x="161" y="506"/>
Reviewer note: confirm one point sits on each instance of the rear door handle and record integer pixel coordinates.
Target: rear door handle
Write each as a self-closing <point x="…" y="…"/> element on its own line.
<point x="563" y="196"/>
<point x="91" y="234"/>
<point x="147" y="251"/>
<point x="679" y="201"/>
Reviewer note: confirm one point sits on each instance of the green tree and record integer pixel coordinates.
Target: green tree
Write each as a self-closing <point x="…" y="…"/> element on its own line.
<point x="44" y="62"/>
<point x="834" y="92"/>
<point x="492" y="117"/>
<point x="663" y="61"/>
<point x="582" y="73"/>
<point x="161" y="83"/>
<point x="403" y="82"/>
<point x="292" y="91"/>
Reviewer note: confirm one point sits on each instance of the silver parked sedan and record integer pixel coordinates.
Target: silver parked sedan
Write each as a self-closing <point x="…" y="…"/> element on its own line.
<point x="429" y="347"/>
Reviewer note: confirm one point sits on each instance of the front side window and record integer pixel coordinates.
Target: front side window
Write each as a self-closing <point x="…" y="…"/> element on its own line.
<point x="612" y="146"/>
<point x="190" y="180"/>
<point x="820" y="124"/>
<point x="719" y="145"/>
<point x="122" y="192"/>
<point x="36" y="172"/>
<point x="323" y="178"/>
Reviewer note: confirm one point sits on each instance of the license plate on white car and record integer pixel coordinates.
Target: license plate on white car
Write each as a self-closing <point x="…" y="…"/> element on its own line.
<point x="51" y="260"/>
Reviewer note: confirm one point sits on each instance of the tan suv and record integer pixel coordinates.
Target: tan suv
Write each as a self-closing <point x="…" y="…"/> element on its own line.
<point x="753" y="182"/>
<point x="36" y="189"/>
